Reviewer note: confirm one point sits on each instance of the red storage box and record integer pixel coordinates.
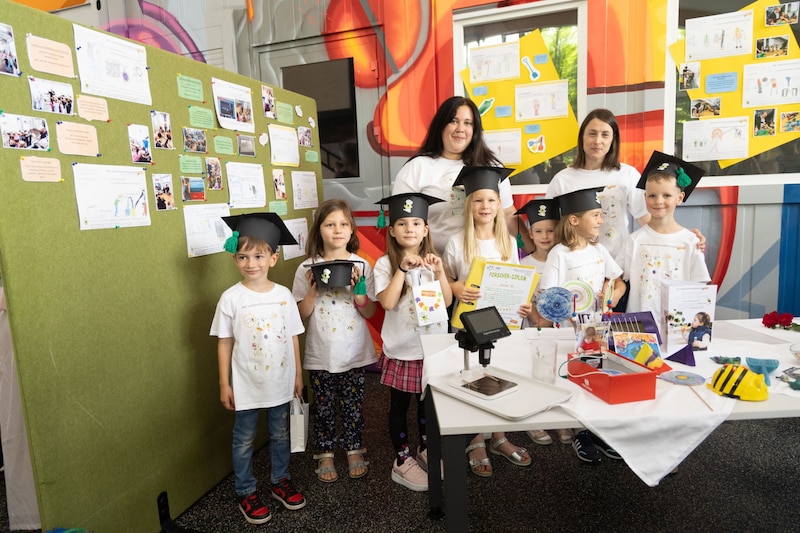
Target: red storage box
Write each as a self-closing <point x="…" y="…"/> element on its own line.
<point x="633" y="383"/>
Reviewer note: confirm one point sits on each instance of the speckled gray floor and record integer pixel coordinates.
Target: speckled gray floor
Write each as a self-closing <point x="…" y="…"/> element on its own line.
<point x="744" y="477"/>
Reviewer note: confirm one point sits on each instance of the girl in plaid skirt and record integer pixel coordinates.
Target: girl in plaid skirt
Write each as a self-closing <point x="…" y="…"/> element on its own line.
<point x="408" y="246"/>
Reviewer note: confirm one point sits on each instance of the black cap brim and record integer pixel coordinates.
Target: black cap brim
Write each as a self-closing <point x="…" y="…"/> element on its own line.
<point x="336" y="273"/>
<point x="409" y="204"/>
<point x="579" y="201"/>
<point x="265" y="226"/>
<point x="477" y="178"/>
<point x="540" y="209"/>
<point x="669" y="164"/>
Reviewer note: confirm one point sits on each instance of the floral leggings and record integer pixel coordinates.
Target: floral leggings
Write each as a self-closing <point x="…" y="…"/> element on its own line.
<point x="342" y="392"/>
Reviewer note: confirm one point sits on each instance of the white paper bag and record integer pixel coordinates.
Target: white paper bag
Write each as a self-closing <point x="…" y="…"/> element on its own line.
<point x="429" y="305"/>
<point x="298" y="424"/>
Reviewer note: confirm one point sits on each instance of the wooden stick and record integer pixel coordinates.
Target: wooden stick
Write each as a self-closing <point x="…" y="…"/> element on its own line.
<point x="701" y="398"/>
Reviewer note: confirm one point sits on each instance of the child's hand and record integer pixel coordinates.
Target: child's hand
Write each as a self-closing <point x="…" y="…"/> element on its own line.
<point x="434" y="262"/>
<point x="465" y="294"/>
<point x="525" y="309"/>
<point x="312" y="284"/>
<point x="226" y="397"/>
<point x="411" y="261"/>
<point x="355" y="275"/>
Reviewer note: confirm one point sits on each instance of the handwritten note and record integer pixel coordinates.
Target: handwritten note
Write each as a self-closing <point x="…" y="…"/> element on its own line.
<point x="50" y="56"/>
<point x="77" y="139"/>
<point x="41" y="169"/>
<point x="92" y="108"/>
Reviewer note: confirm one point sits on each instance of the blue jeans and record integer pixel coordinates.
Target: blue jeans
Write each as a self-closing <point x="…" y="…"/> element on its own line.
<point x="244" y="435"/>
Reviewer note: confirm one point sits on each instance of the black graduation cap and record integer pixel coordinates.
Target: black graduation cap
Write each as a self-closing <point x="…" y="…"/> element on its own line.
<point x="540" y="209"/>
<point x="579" y="201"/>
<point x="687" y="174"/>
<point x="477" y="178"/>
<point x="336" y="273"/>
<point x="409" y="204"/>
<point x="266" y="226"/>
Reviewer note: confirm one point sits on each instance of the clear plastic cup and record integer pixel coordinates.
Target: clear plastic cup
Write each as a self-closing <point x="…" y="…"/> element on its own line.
<point x="543" y="353"/>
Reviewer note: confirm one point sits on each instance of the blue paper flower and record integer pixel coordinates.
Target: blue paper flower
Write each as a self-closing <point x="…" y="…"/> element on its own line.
<point x="555" y="304"/>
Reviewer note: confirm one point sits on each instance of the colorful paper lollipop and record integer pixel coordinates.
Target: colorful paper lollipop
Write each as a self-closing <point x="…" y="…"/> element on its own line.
<point x="582" y="295"/>
<point x="555" y="304"/>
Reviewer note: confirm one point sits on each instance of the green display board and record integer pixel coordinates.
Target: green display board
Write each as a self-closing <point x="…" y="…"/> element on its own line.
<point x="117" y="371"/>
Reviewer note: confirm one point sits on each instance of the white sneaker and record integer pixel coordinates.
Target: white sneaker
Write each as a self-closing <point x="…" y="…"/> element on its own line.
<point x="410" y="475"/>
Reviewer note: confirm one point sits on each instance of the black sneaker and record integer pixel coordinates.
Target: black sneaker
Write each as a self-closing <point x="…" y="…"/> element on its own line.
<point x="284" y="492"/>
<point x="584" y="447"/>
<point x="607" y="450"/>
<point x="254" y="510"/>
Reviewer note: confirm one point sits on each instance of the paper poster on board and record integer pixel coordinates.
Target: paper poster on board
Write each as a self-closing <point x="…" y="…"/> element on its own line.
<point x="234" y="105"/>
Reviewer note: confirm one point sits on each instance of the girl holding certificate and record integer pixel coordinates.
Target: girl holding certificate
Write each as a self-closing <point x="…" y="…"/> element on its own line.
<point x="484" y="235"/>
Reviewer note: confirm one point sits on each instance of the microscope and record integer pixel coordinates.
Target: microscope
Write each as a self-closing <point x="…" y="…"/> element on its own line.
<point x="481" y="328"/>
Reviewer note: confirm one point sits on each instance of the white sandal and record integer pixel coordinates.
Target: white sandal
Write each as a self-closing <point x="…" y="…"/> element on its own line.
<point x="357" y="464"/>
<point x="325" y="469"/>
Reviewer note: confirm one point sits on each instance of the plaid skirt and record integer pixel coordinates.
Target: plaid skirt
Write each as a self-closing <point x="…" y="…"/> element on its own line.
<point x="404" y="376"/>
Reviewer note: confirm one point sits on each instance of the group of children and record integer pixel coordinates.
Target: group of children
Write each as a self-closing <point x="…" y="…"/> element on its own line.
<point x="258" y="323"/>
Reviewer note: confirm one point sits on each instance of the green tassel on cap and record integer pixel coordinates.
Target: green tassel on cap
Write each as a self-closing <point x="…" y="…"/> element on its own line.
<point x="361" y="286"/>
<point x="232" y="243"/>
<point x="683" y="179"/>
<point x="381" y="220"/>
<point x="520" y="242"/>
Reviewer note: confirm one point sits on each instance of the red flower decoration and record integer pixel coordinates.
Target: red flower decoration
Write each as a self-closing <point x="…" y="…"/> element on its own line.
<point x="774" y="320"/>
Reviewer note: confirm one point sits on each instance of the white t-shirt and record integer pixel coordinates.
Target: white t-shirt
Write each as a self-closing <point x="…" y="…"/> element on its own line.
<point x="338" y="337"/>
<point x="592" y="265"/>
<point x="649" y="257"/>
<point x="453" y="256"/>
<point x="400" y="333"/>
<point x="530" y="260"/>
<point x="262" y="325"/>
<point x="620" y="199"/>
<point x="435" y="177"/>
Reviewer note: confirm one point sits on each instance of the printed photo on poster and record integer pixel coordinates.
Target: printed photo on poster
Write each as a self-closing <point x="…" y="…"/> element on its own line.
<point x="772" y="46"/>
<point x="139" y="138"/>
<point x="790" y="121"/>
<point x="246" y="145"/>
<point x="780" y="14"/>
<point x="51" y="96"/>
<point x="162" y="190"/>
<point x="268" y="99"/>
<point x="162" y="130"/>
<point x="214" y="173"/>
<point x="24" y="132"/>
<point x="8" y="52"/>
<point x="192" y="189"/>
<point x="690" y="76"/>
<point x="194" y="140"/>
<point x="705" y="107"/>
<point x="304" y="136"/>
<point x="764" y="122"/>
<point x="279" y="184"/>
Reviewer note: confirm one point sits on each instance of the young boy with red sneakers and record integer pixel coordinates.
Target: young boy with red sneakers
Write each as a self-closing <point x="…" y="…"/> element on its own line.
<point x="257" y="324"/>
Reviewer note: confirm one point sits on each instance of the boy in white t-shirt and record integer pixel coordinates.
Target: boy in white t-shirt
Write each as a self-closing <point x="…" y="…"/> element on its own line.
<point x="662" y="249"/>
<point x="258" y="352"/>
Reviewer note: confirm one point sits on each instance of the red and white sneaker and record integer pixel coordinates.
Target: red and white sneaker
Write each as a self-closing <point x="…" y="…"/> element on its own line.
<point x="254" y="510"/>
<point x="284" y="492"/>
